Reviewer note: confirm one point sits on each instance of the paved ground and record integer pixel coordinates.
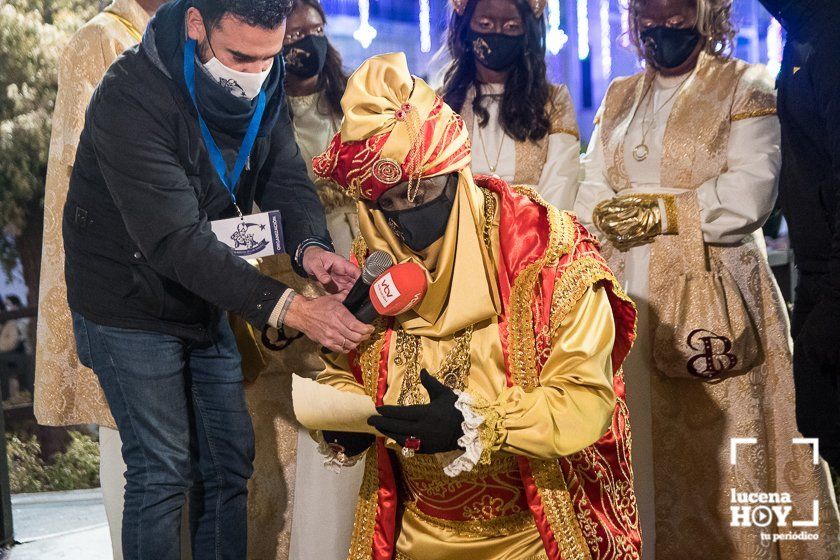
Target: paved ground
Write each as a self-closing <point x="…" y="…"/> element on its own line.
<point x="59" y="526"/>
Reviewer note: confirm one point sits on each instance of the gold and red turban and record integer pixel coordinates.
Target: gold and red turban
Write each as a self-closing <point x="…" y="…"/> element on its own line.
<point x="395" y="129"/>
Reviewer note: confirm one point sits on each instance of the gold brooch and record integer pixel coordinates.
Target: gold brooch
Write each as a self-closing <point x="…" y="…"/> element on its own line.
<point x="387" y="171"/>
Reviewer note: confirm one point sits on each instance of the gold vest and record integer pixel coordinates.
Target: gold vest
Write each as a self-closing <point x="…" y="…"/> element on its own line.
<point x="531" y="156"/>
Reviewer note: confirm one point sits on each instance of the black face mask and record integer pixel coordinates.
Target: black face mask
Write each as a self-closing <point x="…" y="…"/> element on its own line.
<point x="422" y="225"/>
<point x="305" y="58"/>
<point x="669" y="47"/>
<point x="496" y="51"/>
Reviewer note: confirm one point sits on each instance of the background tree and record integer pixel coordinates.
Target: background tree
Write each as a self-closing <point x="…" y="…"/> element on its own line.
<point x="32" y="34"/>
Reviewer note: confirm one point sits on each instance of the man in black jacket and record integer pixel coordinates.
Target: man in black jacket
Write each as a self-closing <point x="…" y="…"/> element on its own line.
<point x="809" y="192"/>
<point x="148" y="280"/>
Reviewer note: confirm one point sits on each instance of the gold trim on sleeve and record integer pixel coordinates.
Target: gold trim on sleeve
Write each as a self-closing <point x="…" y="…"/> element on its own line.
<point x="753" y="114"/>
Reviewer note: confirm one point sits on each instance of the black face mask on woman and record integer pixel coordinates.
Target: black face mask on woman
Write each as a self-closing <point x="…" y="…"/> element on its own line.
<point x="669" y="47"/>
<point x="424" y="224"/>
<point x="306" y="57"/>
<point x="496" y="51"/>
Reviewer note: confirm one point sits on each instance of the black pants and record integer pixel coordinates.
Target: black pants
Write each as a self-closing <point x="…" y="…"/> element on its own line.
<point x="817" y="386"/>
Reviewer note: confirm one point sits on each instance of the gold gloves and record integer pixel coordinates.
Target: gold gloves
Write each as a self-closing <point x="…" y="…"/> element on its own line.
<point x="634" y="219"/>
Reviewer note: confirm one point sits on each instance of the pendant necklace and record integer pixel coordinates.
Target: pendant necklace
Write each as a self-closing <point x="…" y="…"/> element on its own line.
<point x="493" y="166"/>
<point x="641" y="150"/>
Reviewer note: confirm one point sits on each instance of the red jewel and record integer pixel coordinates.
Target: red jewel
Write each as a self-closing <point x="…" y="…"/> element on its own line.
<point x="401" y="113"/>
<point x="412" y="443"/>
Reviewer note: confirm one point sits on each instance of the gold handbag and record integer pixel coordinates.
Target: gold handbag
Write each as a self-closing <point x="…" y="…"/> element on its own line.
<point x="702" y="328"/>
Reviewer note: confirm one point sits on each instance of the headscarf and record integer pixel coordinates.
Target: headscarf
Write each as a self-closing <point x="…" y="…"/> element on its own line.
<point x="397" y="129"/>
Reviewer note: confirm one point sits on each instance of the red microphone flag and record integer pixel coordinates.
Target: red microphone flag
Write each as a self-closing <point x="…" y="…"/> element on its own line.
<point x="398" y="289"/>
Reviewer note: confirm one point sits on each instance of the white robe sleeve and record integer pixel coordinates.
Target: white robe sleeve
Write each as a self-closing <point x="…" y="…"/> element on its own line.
<point x="594" y="187"/>
<point x="559" y="178"/>
<point x="738" y="202"/>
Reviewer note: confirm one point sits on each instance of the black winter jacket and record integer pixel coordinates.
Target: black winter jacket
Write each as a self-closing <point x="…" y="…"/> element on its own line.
<point x="809" y="111"/>
<point x="139" y="250"/>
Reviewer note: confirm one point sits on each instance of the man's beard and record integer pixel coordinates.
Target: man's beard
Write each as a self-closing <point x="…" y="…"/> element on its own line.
<point x="204" y="51"/>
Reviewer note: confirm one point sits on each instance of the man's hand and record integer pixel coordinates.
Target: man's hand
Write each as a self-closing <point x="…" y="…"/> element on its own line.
<point x="326" y="321"/>
<point x="819" y="339"/>
<point x="437" y="425"/>
<point x="335" y="273"/>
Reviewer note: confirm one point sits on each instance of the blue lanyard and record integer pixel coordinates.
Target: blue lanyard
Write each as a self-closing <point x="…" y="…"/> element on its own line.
<point x="229" y="178"/>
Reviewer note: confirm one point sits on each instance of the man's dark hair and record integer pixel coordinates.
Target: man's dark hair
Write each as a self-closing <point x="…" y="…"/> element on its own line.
<point x="268" y="14"/>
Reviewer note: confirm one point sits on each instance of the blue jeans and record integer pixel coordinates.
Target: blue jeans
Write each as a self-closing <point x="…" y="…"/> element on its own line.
<point x="181" y="413"/>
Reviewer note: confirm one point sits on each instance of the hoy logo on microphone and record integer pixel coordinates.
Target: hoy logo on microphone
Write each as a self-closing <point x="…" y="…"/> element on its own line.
<point x="766" y="509"/>
<point x="385" y="289"/>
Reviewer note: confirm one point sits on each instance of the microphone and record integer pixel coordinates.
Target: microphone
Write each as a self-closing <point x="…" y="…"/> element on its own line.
<point x="398" y="289"/>
<point x="357" y="301"/>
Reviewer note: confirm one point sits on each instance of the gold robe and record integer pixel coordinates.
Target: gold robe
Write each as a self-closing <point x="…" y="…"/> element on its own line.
<point x="483" y="514"/>
<point x="66" y="392"/>
<point x="693" y="421"/>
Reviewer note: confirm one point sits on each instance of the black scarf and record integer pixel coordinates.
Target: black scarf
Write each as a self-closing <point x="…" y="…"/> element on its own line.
<point x="164" y="44"/>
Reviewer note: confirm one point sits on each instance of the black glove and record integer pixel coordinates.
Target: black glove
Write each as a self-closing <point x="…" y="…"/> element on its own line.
<point x="437" y="425"/>
<point x="350" y="443"/>
<point x="819" y="339"/>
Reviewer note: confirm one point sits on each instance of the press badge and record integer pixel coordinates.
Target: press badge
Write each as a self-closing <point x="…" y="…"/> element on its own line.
<point x="250" y="237"/>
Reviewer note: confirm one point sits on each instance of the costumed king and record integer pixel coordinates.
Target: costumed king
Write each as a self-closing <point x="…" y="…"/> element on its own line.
<point x="499" y="396"/>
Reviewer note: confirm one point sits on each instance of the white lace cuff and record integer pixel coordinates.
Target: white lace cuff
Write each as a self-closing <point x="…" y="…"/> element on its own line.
<point x="470" y="441"/>
<point x="334" y="460"/>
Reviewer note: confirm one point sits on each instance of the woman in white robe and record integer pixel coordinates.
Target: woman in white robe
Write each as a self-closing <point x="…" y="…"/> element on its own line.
<point x="704" y="137"/>
<point x="523" y="129"/>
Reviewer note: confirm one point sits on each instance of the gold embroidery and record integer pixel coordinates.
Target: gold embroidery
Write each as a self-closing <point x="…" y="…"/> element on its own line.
<point x="370" y="352"/>
<point x="573" y="283"/>
<point x="753" y="114"/>
<point x="530" y="158"/>
<point x="488" y="431"/>
<point x="359" y="249"/>
<point x="520" y="325"/>
<point x="562" y="113"/>
<point x="569" y="131"/>
<point x="559" y="510"/>
<point x="429" y="467"/>
<point x="453" y="371"/>
<point x="538" y="556"/>
<point x="361" y="543"/>
<point x="756" y="95"/>
<point x="490" y="205"/>
<point x="673" y="225"/>
<point x="477" y="528"/>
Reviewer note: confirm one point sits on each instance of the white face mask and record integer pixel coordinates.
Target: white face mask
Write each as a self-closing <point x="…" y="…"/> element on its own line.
<point x="239" y="84"/>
